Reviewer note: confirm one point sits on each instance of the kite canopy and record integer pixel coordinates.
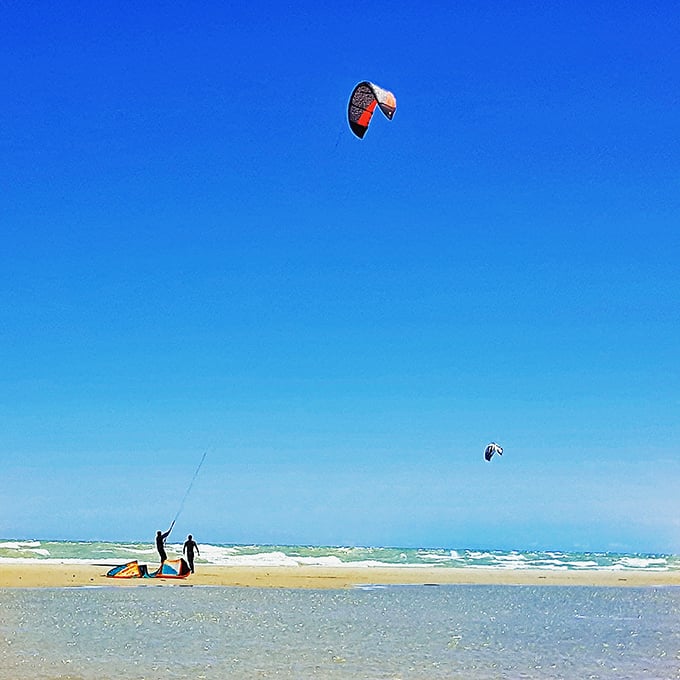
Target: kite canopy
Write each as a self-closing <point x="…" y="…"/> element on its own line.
<point x="491" y="449"/>
<point x="362" y="104"/>
<point x="169" y="569"/>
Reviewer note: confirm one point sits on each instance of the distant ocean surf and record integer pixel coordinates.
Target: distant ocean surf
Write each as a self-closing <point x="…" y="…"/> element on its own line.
<point x="291" y="555"/>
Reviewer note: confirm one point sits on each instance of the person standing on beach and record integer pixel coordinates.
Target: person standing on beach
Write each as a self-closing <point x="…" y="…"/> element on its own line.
<point x="160" y="543"/>
<point x="189" y="546"/>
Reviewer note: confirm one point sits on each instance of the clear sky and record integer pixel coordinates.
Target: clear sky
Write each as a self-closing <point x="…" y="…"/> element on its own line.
<point x="196" y="253"/>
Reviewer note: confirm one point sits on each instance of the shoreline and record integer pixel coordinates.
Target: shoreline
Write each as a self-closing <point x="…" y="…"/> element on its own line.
<point x="67" y="575"/>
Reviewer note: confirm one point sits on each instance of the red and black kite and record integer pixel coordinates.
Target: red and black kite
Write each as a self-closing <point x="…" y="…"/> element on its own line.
<point x="362" y="104"/>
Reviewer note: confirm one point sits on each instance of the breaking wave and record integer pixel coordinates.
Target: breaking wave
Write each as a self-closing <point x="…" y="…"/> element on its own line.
<point x="267" y="555"/>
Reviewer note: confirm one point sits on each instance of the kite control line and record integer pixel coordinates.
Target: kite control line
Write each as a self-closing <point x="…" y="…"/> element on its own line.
<point x="193" y="479"/>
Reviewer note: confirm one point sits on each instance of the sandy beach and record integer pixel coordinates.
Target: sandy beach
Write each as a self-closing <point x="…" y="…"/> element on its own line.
<point x="14" y="575"/>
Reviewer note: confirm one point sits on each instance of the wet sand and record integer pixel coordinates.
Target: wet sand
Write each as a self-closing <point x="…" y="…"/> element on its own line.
<point x="14" y="575"/>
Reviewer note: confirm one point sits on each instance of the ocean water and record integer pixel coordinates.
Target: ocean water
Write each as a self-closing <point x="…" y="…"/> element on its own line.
<point x="246" y="555"/>
<point x="385" y="633"/>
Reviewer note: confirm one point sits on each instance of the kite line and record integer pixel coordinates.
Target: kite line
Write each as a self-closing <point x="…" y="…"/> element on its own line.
<point x="193" y="479"/>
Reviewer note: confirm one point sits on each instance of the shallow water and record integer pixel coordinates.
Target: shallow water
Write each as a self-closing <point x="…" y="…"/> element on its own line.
<point x="394" y="632"/>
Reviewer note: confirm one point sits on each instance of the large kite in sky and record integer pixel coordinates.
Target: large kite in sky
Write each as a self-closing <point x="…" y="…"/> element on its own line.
<point x="491" y="449"/>
<point x="362" y="103"/>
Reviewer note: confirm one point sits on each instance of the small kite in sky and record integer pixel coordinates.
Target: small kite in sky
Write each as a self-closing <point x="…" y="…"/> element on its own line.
<point x="362" y="103"/>
<point x="491" y="449"/>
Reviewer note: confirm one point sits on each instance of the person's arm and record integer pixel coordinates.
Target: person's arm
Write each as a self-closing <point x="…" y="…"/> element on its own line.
<point x="167" y="533"/>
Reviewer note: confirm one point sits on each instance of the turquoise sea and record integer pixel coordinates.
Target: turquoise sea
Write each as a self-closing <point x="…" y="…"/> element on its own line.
<point x="271" y="555"/>
<point x="366" y="633"/>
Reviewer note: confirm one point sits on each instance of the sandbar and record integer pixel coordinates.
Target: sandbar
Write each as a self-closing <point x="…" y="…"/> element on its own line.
<point x="63" y="575"/>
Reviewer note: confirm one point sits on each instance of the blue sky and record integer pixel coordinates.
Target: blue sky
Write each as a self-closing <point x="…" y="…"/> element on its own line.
<point x="197" y="254"/>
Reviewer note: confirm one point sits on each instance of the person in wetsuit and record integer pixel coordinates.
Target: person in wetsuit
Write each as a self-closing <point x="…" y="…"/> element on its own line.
<point x="189" y="546"/>
<point x="160" y="543"/>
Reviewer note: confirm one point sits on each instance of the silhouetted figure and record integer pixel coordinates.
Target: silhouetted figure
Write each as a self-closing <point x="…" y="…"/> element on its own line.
<point x="160" y="543"/>
<point x="189" y="546"/>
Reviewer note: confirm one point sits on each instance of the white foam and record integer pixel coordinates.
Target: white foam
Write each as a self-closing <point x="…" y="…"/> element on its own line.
<point x="512" y="557"/>
<point x="642" y="562"/>
<point x="25" y="546"/>
<point x="136" y="551"/>
<point x="19" y="545"/>
<point x="42" y="560"/>
<point x="439" y="558"/>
